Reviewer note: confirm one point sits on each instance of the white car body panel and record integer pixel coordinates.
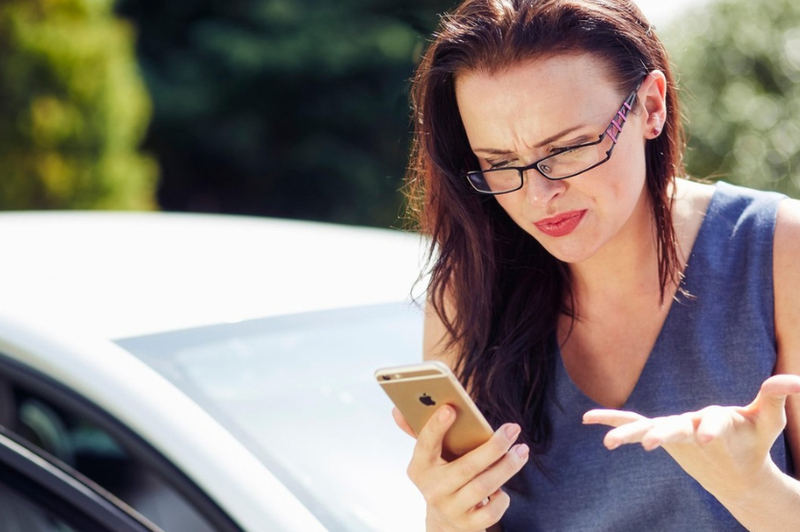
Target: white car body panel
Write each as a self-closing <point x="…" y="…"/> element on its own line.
<point x="210" y="270"/>
<point x="191" y="285"/>
<point x="161" y="414"/>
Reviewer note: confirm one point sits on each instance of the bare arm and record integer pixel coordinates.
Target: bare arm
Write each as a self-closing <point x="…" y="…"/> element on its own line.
<point x="787" y="310"/>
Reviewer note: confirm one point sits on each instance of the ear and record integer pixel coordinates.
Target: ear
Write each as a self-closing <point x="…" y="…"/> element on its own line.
<point x="653" y="96"/>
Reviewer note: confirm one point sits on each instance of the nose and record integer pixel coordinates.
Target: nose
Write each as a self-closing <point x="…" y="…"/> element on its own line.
<point x="540" y="190"/>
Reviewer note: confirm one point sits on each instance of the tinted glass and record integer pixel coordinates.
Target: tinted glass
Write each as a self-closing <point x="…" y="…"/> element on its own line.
<point x="67" y="433"/>
<point x="18" y="513"/>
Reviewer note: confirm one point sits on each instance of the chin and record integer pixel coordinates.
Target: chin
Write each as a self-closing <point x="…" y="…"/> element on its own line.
<point x="573" y="252"/>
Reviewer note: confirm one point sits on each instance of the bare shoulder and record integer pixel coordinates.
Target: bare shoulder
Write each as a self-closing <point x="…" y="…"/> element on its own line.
<point x="691" y="200"/>
<point x="436" y="339"/>
<point x="787" y="277"/>
<point x="787" y="247"/>
<point x="788" y="223"/>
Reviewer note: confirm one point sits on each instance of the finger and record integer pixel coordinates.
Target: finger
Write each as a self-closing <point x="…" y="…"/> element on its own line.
<point x="776" y="388"/>
<point x="715" y="422"/>
<point x="465" y="469"/>
<point x="670" y="429"/>
<point x="486" y="501"/>
<point x="488" y="484"/>
<point x="429" y="441"/>
<point x="402" y="423"/>
<point x="486" y="515"/>
<point x="629" y="433"/>
<point x="613" y="418"/>
<point x="770" y="403"/>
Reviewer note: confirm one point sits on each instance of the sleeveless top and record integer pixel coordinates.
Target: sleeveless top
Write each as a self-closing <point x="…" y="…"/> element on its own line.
<point x="715" y="348"/>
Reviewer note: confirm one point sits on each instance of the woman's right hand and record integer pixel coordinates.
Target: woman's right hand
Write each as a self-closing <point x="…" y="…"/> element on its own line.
<point x="463" y="495"/>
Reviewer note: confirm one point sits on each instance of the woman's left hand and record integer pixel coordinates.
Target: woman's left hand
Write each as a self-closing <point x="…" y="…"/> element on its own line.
<point x="726" y="449"/>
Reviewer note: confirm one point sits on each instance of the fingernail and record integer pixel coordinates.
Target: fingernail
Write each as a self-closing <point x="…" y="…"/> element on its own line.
<point x="444" y="414"/>
<point x="512" y="431"/>
<point x="522" y="451"/>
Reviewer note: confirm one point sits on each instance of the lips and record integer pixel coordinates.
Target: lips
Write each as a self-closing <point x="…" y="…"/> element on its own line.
<point x="560" y="225"/>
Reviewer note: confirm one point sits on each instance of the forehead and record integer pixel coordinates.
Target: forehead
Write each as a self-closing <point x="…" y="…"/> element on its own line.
<point x="535" y="99"/>
<point x="557" y="73"/>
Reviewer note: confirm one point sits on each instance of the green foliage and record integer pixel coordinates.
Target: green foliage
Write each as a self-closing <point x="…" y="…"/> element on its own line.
<point x="73" y="108"/>
<point x="293" y="108"/>
<point x="739" y="66"/>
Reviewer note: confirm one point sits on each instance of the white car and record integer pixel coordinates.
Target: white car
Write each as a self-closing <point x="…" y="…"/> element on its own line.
<point x="199" y="373"/>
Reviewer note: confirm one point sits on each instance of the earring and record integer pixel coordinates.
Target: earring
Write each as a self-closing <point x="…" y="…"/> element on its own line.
<point x="657" y="128"/>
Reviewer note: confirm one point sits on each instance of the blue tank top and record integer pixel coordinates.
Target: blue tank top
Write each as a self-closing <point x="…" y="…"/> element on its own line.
<point x="714" y="349"/>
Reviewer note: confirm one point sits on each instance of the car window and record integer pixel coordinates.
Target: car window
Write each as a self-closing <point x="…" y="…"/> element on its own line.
<point x="36" y="495"/>
<point x="19" y="513"/>
<point x="75" y="432"/>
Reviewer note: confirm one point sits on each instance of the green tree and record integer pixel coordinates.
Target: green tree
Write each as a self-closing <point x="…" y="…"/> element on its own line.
<point x="739" y="68"/>
<point x="73" y="108"/>
<point x="291" y="108"/>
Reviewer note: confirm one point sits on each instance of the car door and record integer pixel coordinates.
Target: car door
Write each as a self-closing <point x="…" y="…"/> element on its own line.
<point x="45" y="415"/>
<point x="36" y="495"/>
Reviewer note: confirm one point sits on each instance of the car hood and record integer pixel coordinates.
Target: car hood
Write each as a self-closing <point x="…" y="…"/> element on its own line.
<point x="114" y="275"/>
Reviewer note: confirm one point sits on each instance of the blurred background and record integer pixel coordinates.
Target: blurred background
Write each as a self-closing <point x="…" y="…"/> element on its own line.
<point x="299" y="108"/>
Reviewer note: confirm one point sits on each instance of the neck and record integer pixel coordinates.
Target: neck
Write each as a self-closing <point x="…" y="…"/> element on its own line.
<point x="625" y="269"/>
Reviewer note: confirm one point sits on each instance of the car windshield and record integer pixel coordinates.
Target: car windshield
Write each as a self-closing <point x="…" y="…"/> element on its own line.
<point x="299" y="391"/>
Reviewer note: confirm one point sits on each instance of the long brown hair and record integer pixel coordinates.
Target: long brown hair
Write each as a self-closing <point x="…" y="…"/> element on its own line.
<point x="506" y="291"/>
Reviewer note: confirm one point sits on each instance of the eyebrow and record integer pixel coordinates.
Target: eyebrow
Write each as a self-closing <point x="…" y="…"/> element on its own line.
<point x="548" y="140"/>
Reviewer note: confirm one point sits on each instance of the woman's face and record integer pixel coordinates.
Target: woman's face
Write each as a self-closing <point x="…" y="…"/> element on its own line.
<point x="520" y="115"/>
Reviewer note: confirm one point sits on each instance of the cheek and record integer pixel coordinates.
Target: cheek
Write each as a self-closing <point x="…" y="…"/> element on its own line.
<point x="512" y="204"/>
<point x="628" y="170"/>
<point x="624" y="189"/>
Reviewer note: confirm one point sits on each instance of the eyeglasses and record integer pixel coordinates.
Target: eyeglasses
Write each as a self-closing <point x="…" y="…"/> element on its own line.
<point x="563" y="164"/>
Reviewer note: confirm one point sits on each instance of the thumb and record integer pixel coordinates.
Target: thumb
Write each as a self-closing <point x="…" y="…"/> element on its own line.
<point x="402" y="423"/>
<point x="771" y="399"/>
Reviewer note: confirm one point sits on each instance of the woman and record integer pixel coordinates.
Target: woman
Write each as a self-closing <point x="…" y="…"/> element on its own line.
<point x="579" y="281"/>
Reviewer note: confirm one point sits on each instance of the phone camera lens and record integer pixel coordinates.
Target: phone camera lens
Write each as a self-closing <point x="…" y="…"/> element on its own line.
<point x="386" y="377"/>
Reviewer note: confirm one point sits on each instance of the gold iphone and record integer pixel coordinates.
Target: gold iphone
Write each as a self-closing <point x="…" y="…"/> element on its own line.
<point x="418" y="390"/>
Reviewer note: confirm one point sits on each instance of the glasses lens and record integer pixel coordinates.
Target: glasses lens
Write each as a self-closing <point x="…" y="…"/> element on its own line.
<point x="573" y="161"/>
<point x="495" y="181"/>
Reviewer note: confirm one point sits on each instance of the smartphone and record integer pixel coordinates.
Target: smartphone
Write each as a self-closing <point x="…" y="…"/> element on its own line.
<point x="418" y="390"/>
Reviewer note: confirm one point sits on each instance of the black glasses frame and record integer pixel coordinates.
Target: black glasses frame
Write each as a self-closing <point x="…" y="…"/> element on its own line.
<point x="613" y="131"/>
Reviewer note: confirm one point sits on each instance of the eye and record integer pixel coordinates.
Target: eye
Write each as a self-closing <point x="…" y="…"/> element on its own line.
<point x="576" y="143"/>
<point x="497" y="164"/>
<point x="561" y="149"/>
